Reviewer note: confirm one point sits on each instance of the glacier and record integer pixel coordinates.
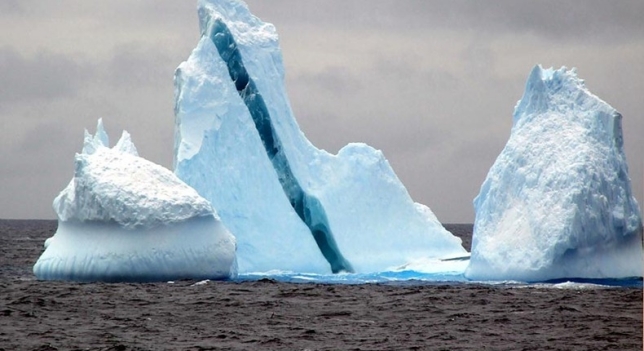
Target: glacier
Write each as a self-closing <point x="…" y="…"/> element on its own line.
<point x="557" y="203"/>
<point x="124" y="218"/>
<point x="291" y="206"/>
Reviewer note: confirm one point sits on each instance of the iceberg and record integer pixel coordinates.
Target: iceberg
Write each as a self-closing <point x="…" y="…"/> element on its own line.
<point x="123" y="218"/>
<point x="291" y="206"/>
<point x="557" y="203"/>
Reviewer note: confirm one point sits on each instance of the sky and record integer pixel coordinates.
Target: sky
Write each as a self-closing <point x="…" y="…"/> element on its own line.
<point x="432" y="84"/>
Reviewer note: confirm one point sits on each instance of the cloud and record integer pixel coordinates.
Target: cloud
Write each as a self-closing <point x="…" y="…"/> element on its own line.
<point x="430" y="83"/>
<point x="11" y="7"/>
<point x="336" y="79"/>
<point x="595" y="20"/>
<point x="379" y="103"/>
<point x="36" y="166"/>
<point x="135" y="65"/>
<point x="565" y="21"/>
<point x="44" y="76"/>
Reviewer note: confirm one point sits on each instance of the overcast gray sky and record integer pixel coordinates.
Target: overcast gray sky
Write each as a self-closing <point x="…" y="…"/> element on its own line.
<point x="431" y="83"/>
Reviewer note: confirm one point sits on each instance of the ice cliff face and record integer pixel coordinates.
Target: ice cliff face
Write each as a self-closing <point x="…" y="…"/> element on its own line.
<point x="123" y="218"/>
<point x="557" y="202"/>
<point x="291" y="206"/>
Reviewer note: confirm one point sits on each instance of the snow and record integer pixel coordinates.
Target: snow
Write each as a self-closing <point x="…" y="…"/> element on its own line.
<point x="123" y="218"/>
<point x="557" y="203"/>
<point x="238" y="144"/>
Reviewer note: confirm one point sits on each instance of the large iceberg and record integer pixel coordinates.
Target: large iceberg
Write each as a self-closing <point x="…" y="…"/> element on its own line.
<point x="291" y="206"/>
<point x="557" y="202"/>
<point x="123" y="218"/>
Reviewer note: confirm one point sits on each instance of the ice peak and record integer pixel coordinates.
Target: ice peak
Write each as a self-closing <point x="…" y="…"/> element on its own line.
<point x="94" y="142"/>
<point x="101" y="133"/>
<point x="534" y="96"/>
<point x="562" y="92"/>
<point x="247" y="28"/>
<point x="543" y="84"/>
<point x="126" y="145"/>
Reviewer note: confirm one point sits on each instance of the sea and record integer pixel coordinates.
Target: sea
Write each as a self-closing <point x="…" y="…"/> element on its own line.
<point x="403" y="310"/>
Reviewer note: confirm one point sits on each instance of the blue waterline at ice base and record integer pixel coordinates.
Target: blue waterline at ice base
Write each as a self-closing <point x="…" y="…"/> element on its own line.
<point x="412" y="277"/>
<point x="125" y="219"/>
<point x="557" y="203"/>
<point x="291" y="206"/>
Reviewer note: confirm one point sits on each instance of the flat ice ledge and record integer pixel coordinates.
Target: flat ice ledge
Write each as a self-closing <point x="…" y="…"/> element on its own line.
<point x="98" y="251"/>
<point x="616" y="261"/>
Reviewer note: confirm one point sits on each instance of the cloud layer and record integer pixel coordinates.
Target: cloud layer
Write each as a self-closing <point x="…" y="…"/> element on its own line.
<point x="431" y="83"/>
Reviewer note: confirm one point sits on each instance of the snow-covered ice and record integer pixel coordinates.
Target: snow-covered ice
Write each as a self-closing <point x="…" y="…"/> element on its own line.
<point x="123" y="218"/>
<point x="291" y="206"/>
<point x="557" y="202"/>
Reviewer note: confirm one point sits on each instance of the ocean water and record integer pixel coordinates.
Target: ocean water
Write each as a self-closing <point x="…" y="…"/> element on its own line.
<point x="401" y="310"/>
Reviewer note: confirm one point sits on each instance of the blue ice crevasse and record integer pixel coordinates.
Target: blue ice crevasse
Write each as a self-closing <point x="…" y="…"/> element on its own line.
<point x="291" y="206"/>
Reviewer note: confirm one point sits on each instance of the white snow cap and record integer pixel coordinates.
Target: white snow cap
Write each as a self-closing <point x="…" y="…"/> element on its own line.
<point x="557" y="203"/>
<point x="114" y="184"/>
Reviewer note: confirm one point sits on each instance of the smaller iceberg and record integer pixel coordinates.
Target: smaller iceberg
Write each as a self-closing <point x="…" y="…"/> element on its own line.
<point x="125" y="219"/>
<point x="557" y="203"/>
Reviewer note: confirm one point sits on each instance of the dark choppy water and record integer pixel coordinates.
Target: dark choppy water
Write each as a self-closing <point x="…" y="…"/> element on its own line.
<point x="21" y="243"/>
<point x="269" y="314"/>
